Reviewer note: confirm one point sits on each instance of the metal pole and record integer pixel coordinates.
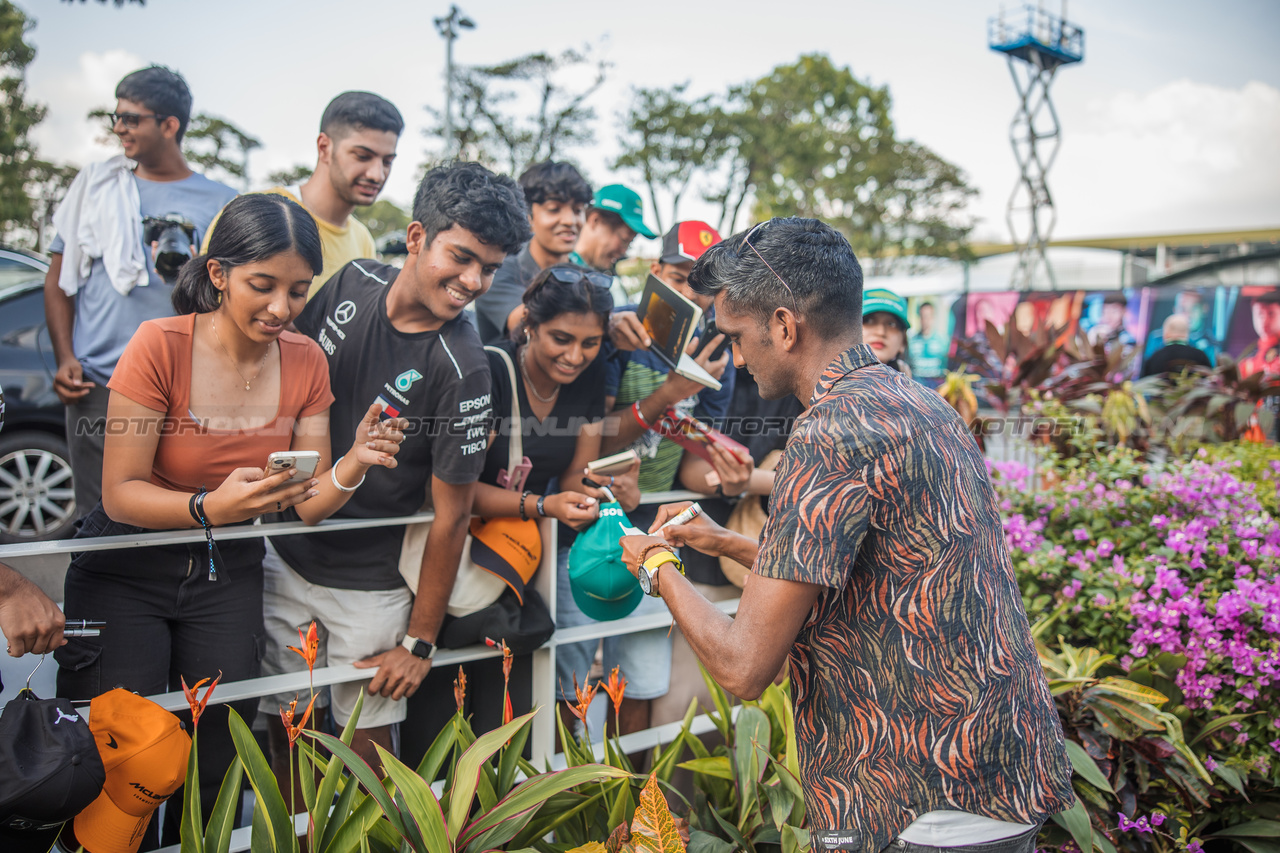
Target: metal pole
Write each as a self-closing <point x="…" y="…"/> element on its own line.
<point x="448" y="82"/>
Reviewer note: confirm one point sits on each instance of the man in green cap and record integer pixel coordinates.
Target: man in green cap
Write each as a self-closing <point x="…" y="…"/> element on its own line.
<point x="615" y="217"/>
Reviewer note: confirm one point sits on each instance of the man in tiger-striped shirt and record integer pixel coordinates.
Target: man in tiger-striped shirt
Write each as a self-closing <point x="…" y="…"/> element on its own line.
<point x="923" y="718"/>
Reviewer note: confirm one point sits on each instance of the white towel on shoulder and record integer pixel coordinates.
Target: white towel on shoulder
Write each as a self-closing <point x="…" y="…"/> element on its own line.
<point x="101" y="217"/>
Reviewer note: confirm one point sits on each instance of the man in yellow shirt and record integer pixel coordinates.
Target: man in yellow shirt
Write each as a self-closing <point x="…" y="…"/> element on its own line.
<point x="354" y="153"/>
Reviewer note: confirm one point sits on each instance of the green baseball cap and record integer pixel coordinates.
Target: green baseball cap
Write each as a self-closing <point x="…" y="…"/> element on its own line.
<point x="602" y="586"/>
<point x="626" y="203"/>
<point x="887" y="301"/>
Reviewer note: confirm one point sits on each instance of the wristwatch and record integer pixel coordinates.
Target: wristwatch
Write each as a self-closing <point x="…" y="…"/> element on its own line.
<point x="418" y="648"/>
<point x="648" y="575"/>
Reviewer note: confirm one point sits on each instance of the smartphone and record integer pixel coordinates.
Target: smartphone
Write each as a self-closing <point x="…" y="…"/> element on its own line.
<point x="615" y="464"/>
<point x="305" y="461"/>
<point x="708" y="334"/>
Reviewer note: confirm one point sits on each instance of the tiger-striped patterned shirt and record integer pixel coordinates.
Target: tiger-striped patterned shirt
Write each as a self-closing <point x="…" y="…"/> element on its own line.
<point x="915" y="679"/>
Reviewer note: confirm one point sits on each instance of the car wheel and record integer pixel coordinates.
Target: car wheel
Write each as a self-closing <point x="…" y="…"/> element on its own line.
<point x="37" y="500"/>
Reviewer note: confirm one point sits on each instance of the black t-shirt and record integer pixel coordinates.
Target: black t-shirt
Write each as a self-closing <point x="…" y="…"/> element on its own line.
<point x="439" y="380"/>
<point x="549" y="444"/>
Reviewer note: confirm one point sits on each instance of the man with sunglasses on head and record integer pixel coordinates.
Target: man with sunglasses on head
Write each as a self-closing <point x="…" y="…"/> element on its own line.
<point x="923" y="719"/>
<point x="102" y="281"/>
<point x="557" y="196"/>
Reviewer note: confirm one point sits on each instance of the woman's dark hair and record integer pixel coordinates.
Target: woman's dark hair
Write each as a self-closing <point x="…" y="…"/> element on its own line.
<point x="249" y="229"/>
<point x="563" y="289"/>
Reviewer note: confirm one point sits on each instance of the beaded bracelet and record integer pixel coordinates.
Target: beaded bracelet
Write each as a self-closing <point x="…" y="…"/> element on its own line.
<point x="523" y="495"/>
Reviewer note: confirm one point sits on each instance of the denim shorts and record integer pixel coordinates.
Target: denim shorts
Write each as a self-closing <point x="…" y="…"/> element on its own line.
<point x="644" y="659"/>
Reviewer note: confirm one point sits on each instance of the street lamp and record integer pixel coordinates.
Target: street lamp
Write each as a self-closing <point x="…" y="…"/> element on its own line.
<point x="448" y="28"/>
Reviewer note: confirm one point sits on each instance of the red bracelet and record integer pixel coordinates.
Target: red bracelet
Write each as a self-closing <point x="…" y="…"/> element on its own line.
<point x="635" y="413"/>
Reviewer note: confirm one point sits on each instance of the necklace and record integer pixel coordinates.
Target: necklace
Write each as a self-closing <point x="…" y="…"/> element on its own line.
<point x="234" y="366"/>
<point x="528" y="383"/>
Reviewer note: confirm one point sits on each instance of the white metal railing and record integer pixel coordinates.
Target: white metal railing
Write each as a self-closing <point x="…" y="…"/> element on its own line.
<point x="542" y="738"/>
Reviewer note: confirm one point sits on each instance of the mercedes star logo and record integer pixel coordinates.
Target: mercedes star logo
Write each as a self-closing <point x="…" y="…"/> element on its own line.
<point x="344" y="312"/>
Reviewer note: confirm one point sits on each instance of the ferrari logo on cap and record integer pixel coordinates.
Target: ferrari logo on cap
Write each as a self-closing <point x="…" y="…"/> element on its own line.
<point x="705" y="237"/>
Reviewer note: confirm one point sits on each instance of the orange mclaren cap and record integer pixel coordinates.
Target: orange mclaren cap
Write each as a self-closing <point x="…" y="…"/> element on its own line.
<point x="508" y="548"/>
<point x="144" y="750"/>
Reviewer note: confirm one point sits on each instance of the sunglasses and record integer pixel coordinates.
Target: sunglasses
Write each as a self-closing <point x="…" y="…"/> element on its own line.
<point x="131" y="120"/>
<point x="747" y="242"/>
<point x="570" y="276"/>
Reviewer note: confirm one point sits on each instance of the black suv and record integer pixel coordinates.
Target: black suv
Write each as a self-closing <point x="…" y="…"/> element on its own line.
<point x="36" y="496"/>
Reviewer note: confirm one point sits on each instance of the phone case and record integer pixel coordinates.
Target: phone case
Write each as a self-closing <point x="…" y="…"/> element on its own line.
<point x="515" y="483"/>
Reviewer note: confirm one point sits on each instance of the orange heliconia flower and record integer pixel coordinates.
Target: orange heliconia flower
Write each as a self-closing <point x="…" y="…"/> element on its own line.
<point x="310" y="643"/>
<point x="460" y="689"/>
<point x="585" y="695"/>
<point x="508" y="713"/>
<point x="194" y="699"/>
<point x="616" y="688"/>
<point x="286" y="717"/>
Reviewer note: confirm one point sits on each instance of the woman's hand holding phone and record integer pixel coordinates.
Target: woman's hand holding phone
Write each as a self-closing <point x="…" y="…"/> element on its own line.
<point x="625" y="485"/>
<point x="250" y="492"/>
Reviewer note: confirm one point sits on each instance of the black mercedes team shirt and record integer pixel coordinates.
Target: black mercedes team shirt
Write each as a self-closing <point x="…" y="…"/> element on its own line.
<point x="439" y="380"/>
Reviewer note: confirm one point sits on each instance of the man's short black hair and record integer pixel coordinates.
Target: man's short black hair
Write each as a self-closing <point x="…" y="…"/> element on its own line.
<point x="469" y="195"/>
<point x="551" y="181"/>
<point x="611" y="219"/>
<point x="161" y="90"/>
<point x="1270" y="297"/>
<point x="360" y="111"/>
<point x="1115" y="299"/>
<point x="813" y="258"/>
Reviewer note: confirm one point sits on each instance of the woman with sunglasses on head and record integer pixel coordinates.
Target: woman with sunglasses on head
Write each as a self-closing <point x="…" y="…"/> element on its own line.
<point x="884" y="328"/>
<point x="555" y="353"/>
<point x="198" y="403"/>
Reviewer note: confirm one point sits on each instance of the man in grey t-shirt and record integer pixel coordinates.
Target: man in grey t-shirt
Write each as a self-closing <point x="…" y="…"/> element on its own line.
<point x="95" y="306"/>
<point x="557" y="196"/>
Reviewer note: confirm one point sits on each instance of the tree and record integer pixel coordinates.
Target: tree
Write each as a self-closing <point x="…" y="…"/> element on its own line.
<point x="823" y="145"/>
<point x="17" y="117"/>
<point x="46" y="186"/>
<point x="211" y="143"/>
<point x="292" y="176"/>
<point x="383" y="217"/>
<point x="668" y="139"/>
<point x="521" y="112"/>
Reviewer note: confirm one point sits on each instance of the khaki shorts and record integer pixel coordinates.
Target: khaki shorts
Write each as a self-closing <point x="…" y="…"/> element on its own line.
<point x="352" y="624"/>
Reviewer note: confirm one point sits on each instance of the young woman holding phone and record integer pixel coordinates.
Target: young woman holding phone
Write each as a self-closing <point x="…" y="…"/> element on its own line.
<point x="199" y="401"/>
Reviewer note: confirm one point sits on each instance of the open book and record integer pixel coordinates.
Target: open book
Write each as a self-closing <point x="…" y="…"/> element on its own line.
<point x="672" y="321"/>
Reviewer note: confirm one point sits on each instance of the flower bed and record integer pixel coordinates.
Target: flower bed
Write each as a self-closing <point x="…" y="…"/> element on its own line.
<point x="1173" y="571"/>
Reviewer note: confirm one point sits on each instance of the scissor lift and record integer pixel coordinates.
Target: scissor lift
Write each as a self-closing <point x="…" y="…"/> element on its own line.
<point x="1036" y="44"/>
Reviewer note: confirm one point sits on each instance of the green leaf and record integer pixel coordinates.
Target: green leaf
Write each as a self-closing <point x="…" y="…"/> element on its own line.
<point x="360" y="769"/>
<point x="1126" y="689"/>
<point x="705" y="842"/>
<point x="1231" y="777"/>
<point x="1250" y="829"/>
<point x="717" y="766"/>
<point x="1084" y="764"/>
<point x="278" y="835"/>
<point x="353" y="831"/>
<point x="192" y="826"/>
<point x="1218" y="724"/>
<point x="510" y="760"/>
<point x="419" y="800"/>
<point x="795" y="839"/>
<point x="751" y="748"/>
<point x="1253" y="845"/>
<point x="217" y="833"/>
<point x="653" y="829"/>
<point x="501" y="823"/>
<point x="1144" y="717"/>
<point x="722" y="716"/>
<point x="348" y="801"/>
<point x="780" y="804"/>
<point x="307" y="781"/>
<point x="468" y="770"/>
<point x="332" y="773"/>
<point x="1076" y="821"/>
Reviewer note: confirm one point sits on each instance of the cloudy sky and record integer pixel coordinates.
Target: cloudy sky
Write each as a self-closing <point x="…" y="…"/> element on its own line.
<point x="1172" y="122"/>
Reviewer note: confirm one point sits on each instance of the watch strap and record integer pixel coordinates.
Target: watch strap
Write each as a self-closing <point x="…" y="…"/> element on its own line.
<point x="415" y="647"/>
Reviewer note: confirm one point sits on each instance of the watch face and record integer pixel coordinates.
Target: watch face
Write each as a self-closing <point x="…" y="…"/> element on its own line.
<point x="646" y="583"/>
